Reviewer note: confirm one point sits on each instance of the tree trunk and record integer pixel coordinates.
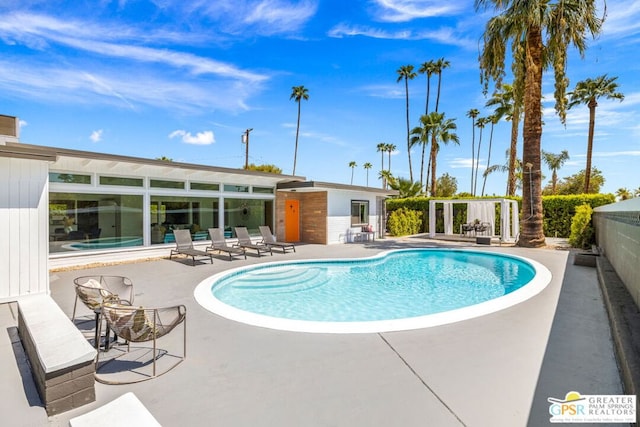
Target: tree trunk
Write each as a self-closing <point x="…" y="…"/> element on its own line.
<point x="513" y="151"/>
<point x="295" y="153"/>
<point x="432" y="157"/>
<point x="406" y="87"/>
<point x="473" y="152"/>
<point x="532" y="234"/>
<point x="484" y="181"/>
<point x="592" y="123"/>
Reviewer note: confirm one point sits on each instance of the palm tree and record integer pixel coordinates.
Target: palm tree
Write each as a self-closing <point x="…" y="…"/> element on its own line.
<point x="506" y="106"/>
<point x="636" y="192"/>
<point x="386" y="177"/>
<point x="480" y="123"/>
<point x="382" y="148"/>
<point x="505" y="168"/>
<point x="493" y="119"/>
<point x="366" y="167"/>
<point x="298" y="93"/>
<point x="352" y="165"/>
<point x="420" y="136"/>
<point x="427" y="68"/>
<point x="441" y="130"/>
<point x="440" y="65"/>
<point x="472" y="114"/>
<point x="390" y="149"/>
<point x="555" y="162"/>
<point x="623" y="194"/>
<point x="406" y="73"/>
<point x="588" y="92"/>
<point x="540" y="32"/>
<point x="405" y="187"/>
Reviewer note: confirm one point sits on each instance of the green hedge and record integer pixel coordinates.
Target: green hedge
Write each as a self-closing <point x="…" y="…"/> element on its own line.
<point x="558" y="211"/>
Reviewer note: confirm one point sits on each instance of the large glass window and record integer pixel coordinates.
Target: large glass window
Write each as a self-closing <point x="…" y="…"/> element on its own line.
<point x="169" y="213"/>
<point x="80" y="221"/>
<point x="359" y="212"/>
<point x="247" y="213"/>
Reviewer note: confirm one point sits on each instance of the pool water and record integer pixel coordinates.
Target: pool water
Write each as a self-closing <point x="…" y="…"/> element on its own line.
<point x="395" y="286"/>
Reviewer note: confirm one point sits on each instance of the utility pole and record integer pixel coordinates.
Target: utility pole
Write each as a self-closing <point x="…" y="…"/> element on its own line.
<point x="245" y="140"/>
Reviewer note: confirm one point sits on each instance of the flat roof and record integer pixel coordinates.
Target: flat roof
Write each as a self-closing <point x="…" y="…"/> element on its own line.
<point x="317" y="185"/>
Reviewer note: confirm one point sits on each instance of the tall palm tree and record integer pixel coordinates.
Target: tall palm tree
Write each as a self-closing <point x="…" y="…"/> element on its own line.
<point x="555" y="162"/>
<point x="440" y="65"/>
<point x="382" y="148"/>
<point x="441" y="130"/>
<point x="352" y="165"/>
<point x="428" y="68"/>
<point x="298" y="93"/>
<point x="406" y="73"/>
<point x="540" y="32"/>
<point x="390" y="149"/>
<point x="472" y="114"/>
<point x="588" y="92"/>
<point x="366" y="167"/>
<point x="480" y="124"/>
<point x="493" y="119"/>
<point x="506" y="106"/>
<point x="405" y="188"/>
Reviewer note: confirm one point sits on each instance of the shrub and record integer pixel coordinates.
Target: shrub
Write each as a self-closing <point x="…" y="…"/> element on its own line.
<point x="403" y="222"/>
<point x="581" y="229"/>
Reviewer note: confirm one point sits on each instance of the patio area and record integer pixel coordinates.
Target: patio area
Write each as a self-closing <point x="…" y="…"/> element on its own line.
<point x="496" y="370"/>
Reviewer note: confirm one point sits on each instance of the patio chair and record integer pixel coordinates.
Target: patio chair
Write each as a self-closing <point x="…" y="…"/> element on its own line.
<point x="270" y="240"/>
<point x="219" y="243"/>
<point x="244" y="241"/>
<point x="184" y="246"/>
<point x="93" y="291"/>
<point x="139" y="325"/>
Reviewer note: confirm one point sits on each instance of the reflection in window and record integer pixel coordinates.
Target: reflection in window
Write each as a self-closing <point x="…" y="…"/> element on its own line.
<point x="359" y="212"/>
<point x="69" y="178"/>
<point x="205" y="186"/>
<point x="80" y="221"/>
<point x="161" y="183"/>
<point x="236" y="188"/>
<point x="118" y="180"/>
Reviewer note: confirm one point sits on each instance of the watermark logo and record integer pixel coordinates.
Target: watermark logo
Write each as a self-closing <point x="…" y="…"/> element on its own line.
<point x="595" y="408"/>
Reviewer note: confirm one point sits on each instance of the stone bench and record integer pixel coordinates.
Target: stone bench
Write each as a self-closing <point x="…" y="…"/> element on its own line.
<point x="61" y="358"/>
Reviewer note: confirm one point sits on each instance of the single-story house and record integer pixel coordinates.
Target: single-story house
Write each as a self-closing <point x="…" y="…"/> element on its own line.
<point x="67" y="207"/>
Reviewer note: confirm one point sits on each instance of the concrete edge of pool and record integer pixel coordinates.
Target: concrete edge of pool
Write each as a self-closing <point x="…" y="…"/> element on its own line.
<point x="205" y="298"/>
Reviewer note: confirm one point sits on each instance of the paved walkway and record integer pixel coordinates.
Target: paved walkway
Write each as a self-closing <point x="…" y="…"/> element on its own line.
<point x="497" y="370"/>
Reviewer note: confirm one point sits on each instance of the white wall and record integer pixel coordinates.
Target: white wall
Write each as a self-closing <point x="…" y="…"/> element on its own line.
<point x="339" y="213"/>
<point x="24" y="245"/>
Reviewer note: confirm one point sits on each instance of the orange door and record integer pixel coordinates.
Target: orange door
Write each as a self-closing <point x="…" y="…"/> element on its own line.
<point x="292" y="221"/>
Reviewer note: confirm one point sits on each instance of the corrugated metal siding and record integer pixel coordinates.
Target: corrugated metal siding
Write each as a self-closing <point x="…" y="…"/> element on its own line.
<point x="24" y="247"/>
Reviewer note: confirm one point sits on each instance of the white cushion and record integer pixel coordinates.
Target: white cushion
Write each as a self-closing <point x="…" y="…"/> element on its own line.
<point x="125" y="411"/>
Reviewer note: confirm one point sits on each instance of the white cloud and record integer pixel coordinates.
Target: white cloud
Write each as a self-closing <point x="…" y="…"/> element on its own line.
<point x="201" y="138"/>
<point x="407" y="10"/>
<point x="443" y="35"/>
<point x="96" y="135"/>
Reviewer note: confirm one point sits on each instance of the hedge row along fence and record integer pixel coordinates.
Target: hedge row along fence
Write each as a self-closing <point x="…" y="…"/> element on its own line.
<point x="558" y="211"/>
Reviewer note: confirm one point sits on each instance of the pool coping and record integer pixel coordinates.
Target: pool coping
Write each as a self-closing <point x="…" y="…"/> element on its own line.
<point x="205" y="298"/>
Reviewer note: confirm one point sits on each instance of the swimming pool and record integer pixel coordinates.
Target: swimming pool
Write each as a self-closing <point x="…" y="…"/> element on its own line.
<point x="395" y="290"/>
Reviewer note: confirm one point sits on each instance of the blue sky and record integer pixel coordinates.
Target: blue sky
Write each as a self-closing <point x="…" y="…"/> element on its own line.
<point x="184" y="79"/>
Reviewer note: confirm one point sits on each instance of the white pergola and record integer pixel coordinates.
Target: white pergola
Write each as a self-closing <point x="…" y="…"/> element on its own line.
<point x="481" y="209"/>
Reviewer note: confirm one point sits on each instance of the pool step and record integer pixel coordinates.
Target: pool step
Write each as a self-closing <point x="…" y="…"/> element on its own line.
<point x="289" y="281"/>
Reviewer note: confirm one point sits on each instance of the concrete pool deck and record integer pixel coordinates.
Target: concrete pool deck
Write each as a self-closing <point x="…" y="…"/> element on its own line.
<point x="496" y="370"/>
